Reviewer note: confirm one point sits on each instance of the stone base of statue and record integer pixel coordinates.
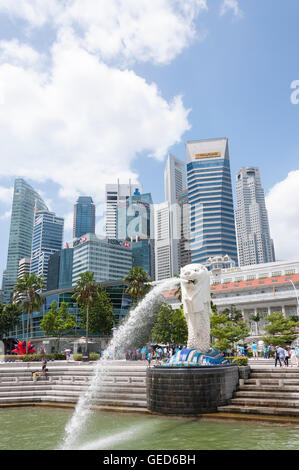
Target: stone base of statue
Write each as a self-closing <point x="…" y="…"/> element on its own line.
<point x="190" y="390"/>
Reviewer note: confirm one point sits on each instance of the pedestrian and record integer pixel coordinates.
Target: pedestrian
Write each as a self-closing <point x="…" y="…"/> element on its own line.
<point x="265" y="352"/>
<point x="280" y="356"/>
<point x="286" y="356"/>
<point x="294" y="361"/>
<point x="44" y="368"/>
<point x="149" y="357"/>
<point x="245" y="350"/>
<point x="67" y="354"/>
<point x="254" y="350"/>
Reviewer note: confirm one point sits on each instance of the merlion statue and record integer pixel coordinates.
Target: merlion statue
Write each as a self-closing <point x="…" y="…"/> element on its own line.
<point x="195" y="287"/>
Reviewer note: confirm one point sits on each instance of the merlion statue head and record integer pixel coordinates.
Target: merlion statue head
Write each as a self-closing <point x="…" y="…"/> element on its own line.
<point x="195" y="278"/>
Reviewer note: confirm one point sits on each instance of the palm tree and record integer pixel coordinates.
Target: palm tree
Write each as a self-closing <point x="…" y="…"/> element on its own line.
<point x="84" y="292"/>
<point x="138" y="283"/>
<point x="27" y="294"/>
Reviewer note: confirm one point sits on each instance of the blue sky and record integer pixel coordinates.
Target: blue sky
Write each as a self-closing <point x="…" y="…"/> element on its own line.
<point x="95" y="90"/>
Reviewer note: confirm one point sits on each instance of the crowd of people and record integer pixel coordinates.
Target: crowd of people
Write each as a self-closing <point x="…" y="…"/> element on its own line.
<point x="151" y="353"/>
<point x="286" y="356"/>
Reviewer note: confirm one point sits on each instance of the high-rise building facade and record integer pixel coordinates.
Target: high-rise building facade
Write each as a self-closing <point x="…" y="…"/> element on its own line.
<point x="163" y="255"/>
<point x="24" y="267"/>
<point x="212" y="223"/>
<point x="255" y="245"/>
<point x="60" y="268"/>
<point x="47" y="239"/>
<point x="174" y="184"/>
<point x="25" y="199"/>
<point x="184" y="243"/>
<point x="174" y="178"/>
<point x="117" y="194"/>
<point x="108" y="259"/>
<point x="84" y="216"/>
<point x="135" y="224"/>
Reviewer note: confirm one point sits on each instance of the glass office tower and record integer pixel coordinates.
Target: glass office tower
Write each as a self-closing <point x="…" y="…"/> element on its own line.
<point x="47" y="239"/>
<point x="135" y="224"/>
<point x="212" y="223"/>
<point x="84" y="216"/>
<point x="255" y="245"/>
<point x="25" y="199"/>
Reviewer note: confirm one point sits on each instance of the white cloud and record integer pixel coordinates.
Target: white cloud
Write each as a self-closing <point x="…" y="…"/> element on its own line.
<point x="6" y="195"/>
<point x="283" y="210"/>
<point x="130" y="30"/>
<point x="6" y="215"/>
<point x="231" y="5"/>
<point x="15" y="53"/>
<point x="82" y="123"/>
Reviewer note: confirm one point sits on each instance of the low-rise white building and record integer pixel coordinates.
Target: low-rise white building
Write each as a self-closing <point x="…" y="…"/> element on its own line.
<point x="257" y="289"/>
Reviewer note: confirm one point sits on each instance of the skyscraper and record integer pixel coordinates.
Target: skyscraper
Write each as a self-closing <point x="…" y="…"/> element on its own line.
<point x="174" y="178"/>
<point x="174" y="184"/>
<point x="163" y="256"/>
<point x="25" y="199"/>
<point x="84" y="216"/>
<point x="255" y="245"/>
<point x="212" y="224"/>
<point x="117" y="194"/>
<point x="184" y="243"/>
<point x="135" y="224"/>
<point x="47" y="239"/>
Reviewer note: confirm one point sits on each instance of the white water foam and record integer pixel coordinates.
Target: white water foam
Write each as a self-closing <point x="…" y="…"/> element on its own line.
<point x="124" y="337"/>
<point x="110" y="441"/>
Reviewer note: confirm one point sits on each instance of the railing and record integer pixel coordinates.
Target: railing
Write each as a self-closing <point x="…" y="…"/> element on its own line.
<point x="287" y="295"/>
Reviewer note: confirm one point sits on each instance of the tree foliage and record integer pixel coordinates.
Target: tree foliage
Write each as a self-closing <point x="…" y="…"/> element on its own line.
<point x="170" y="326"/>
<point x="227" y="327"/>
<point x="58" y="321"/>
<point x="9" y="318"/>
<point x="27" y="294"/>
<point x="280" y="330"/>
<point x="138" y="283"/>
<point x="101" y="317"/>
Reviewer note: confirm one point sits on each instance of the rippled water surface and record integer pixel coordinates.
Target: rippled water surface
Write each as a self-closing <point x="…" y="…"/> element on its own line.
<point x="43" y="428"/>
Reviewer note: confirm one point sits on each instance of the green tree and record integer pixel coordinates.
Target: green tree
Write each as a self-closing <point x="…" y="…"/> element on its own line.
<point x="138" y="283"/>
<point x="227" y="328"/>
<point x="84" y="293"/>
<point x="280" y="330"/>
<point x="9" y="318"/>
<point x="27" y="293"/>
<point x="58" y="321"/>
<point x="170" y="326"/>
<point x="101" y="317"/>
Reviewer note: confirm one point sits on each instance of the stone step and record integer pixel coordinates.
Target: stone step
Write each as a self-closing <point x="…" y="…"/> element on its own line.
<point x="273" y="381"/>
<point x="263" y="402"/>
<point x="260" y="394"/>
<point x="107" y="403"/>
<point x="269" y="388"/>
<point x="258" y="410"/>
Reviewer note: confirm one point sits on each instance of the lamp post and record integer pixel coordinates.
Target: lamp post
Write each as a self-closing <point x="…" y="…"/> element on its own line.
<point x="290" y="280"/>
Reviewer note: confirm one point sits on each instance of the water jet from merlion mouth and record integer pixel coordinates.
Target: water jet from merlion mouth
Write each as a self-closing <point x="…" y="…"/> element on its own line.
<point x="124" y="337"/>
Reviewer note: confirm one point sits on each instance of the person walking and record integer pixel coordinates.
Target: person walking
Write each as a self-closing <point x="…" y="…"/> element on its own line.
<point x="265" y="352"/>
<point x="281" y="356"/>
<point x="294" y="361"/>
<point x="149" y="357"/>
<point x="254" y="350"/>
<point x="276" y="357"/>
<point x="286" y="356"/>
